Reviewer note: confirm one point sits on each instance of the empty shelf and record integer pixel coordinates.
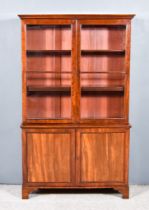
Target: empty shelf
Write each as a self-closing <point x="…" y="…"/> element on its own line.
<point x="103" y="51"/>
<point x="48" y="89"/>
<point x="96" y="89"/>
<point x="67" y="89"/>
<point x="32" y="52"/>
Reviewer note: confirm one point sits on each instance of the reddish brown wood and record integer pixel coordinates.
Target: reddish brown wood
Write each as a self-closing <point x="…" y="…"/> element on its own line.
<point x="75" y="107"/>
<point x="101" y="155"/>
<point x="27" y="190"/>
<point x="77" y="16"/>
<point x="49" y="156"/>
<point x="124" y="190"/>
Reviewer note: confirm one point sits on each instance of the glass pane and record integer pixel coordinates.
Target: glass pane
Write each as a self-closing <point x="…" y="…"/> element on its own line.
<point x="102" y="62"/>
<point x="49" y="67"/>
<point x="102" y="95"/>
<point x="102" y="37"/>
<point x="102" y="72"/>
<point x="49" y="37"/>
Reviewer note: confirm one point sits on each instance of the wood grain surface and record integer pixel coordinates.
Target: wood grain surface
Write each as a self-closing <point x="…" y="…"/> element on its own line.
<point x="49" y="157"/>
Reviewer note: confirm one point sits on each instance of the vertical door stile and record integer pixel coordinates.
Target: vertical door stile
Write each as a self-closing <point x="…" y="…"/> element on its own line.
<point x="127" y="69"/>
<point x="74" y="68"/>
<point x="78" y="161"/>
<point x="73" y="54"/>
<point x="24" y="68"/>
<point x="78" y="94"/>
<point x="78" y="71"/>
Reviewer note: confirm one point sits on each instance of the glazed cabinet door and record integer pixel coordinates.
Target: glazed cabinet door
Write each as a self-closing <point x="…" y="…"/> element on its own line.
<point x="50" y="156"/>
<point x="48" y="67"/>
<point x="102" y="156"/>
<point x="102" y="57"/>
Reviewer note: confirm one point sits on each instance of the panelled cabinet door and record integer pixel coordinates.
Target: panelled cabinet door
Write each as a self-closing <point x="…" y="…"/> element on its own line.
<point x="102" y="156"/>
<point x="50" y="156"/>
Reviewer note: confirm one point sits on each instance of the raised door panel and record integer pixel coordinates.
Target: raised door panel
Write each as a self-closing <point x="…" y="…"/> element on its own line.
<point x="102" y="156"/>
<point x="50" y="157"/>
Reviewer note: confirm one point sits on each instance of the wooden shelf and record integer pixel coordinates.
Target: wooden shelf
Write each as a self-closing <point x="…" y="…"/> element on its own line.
<point x="103" y="52"/>
<point x="102" y="72"/>
<point x="81" y="72"/>
<point x="48" y="89"/>
<point x="63" y="52"/>
<point x="68" y="89"/>
<point x="56" y="26"/>
<point x="50" y="72"/>
<point x="102" y="89"/>
<point x="94" y="26"/>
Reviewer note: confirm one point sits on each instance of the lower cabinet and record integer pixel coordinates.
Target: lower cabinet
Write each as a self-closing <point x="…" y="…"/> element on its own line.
<point x="76" y="158"/>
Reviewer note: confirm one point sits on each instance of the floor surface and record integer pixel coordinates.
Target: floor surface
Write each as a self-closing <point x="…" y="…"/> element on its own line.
<point x="10" y="199"/>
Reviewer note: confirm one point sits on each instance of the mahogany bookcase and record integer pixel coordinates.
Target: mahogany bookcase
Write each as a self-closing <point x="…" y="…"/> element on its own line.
<point x="75" y="91"/>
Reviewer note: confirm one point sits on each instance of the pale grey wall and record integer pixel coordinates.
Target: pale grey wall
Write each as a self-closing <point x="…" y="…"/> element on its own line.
<point x="10" y="78"/>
